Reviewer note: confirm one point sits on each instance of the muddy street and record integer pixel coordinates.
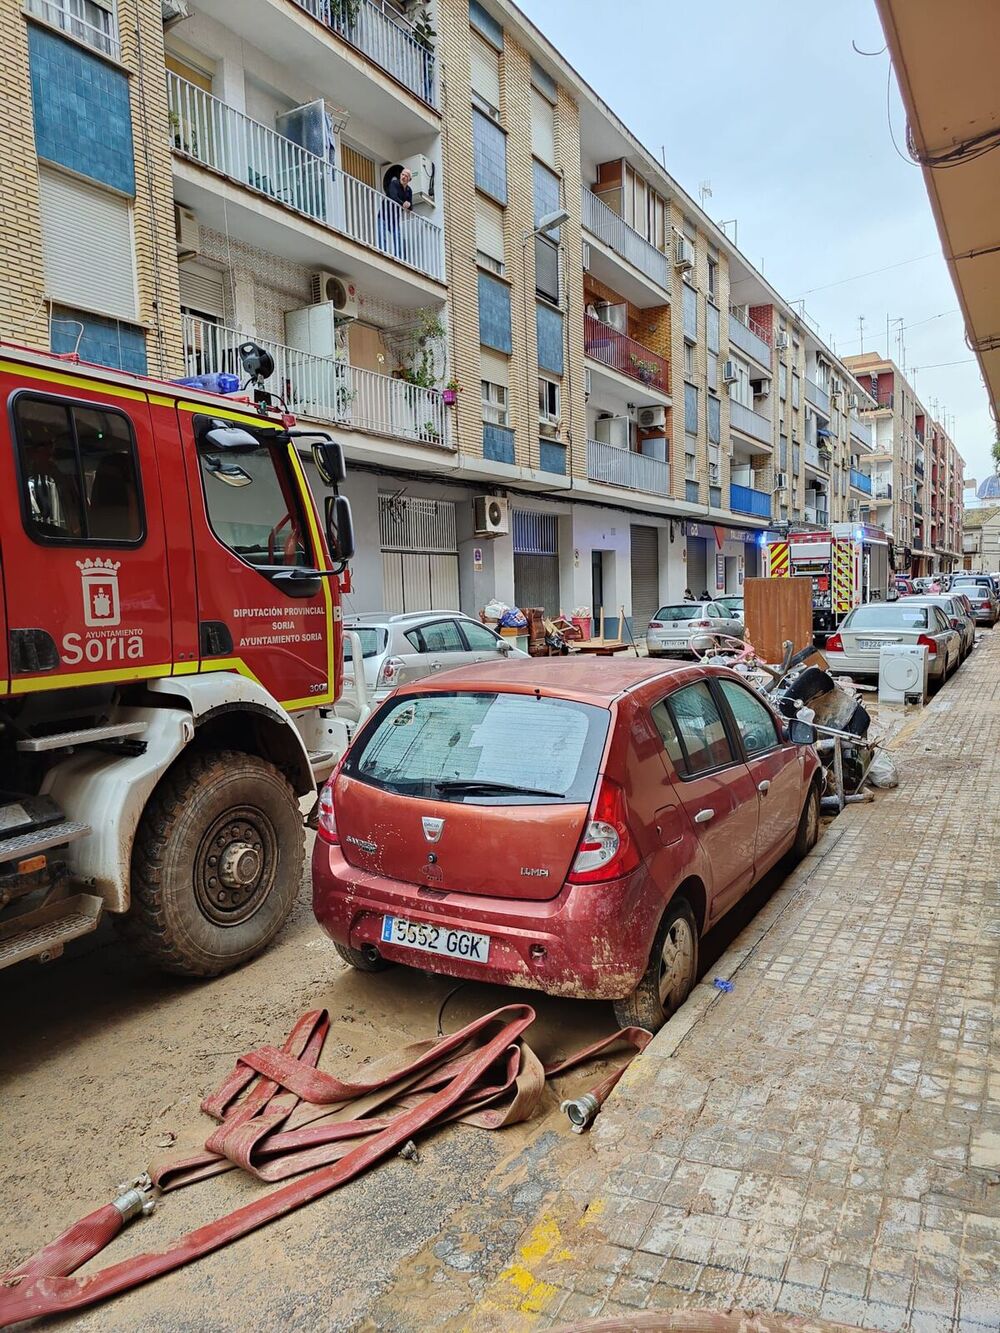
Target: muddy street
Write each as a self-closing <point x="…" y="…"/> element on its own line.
<point x="106" y="1065"/>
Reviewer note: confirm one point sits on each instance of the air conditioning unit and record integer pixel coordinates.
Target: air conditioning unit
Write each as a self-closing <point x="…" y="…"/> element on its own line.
<point x="422" y="170"/>
<point x="586" y="256"/>
<point x="683" y="253"/>
<point x="781" y="481"/>
<point x="761" y="388"/>
<point x="342" y="295"/>
<point x="729" y="373"/>
<point x="586" y="381"/>
<point x="491" y="515"/>
<point x="652" y="417"/>
<point x="187" y="231"/>
<point x="173" y="11"/>
<point x="781" y="342"/>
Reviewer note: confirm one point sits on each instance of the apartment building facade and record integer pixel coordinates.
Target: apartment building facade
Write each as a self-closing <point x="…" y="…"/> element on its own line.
<point x="554" y="324"/>
<point x="917" y="473"/>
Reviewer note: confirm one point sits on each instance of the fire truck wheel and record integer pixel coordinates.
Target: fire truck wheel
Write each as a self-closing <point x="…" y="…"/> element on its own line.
<point x="216" y="863"/>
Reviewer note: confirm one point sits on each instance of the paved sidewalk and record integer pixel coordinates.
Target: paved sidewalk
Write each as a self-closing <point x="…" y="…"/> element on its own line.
<point x="825" y="1139"/>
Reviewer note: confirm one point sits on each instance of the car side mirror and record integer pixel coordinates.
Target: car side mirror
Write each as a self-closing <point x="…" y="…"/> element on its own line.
<point x="503" y="647"/>
<point x="328" y="457"/>
<point x="339" y="528"/>
<point x="801" y="733"/>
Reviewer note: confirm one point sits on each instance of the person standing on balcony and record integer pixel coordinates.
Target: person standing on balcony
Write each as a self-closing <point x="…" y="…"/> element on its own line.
<point x="390" y="219"/>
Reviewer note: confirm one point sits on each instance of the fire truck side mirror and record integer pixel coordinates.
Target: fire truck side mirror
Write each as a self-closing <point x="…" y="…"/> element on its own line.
<point x="339" y="528"/>
<point x="328" y="456"/>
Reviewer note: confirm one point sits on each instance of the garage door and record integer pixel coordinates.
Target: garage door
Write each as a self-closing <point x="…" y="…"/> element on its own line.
<point x="419" y="554"/>
<point x="536" y="559"/>
<point x="645" y="577"/>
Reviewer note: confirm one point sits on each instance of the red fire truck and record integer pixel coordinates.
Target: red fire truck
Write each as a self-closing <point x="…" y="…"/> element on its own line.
<point x="170" y="651"/>
<point x="846" y="565"/>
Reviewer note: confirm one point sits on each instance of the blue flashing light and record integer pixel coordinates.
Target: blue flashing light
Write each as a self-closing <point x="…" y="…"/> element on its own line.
<point x="859" y="533"/>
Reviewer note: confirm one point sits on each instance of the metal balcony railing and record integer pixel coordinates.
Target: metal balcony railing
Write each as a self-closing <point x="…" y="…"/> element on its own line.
<point x="818" y="397"/>
<point x="624" y="354"/>
<point x="746" y="500"/>
<point x="230" y="143"/>
<point x="383" y="39"/>
<point x="323" y="389"/>
<point x="615" y="466"/>
<point x="615" y="232"/>
<point x="748" y="421"/>
<point x="813" y="457"/>
<point x="743" y="337"/>
<point x="860" y="482"/>
<point x="882" y="490"/>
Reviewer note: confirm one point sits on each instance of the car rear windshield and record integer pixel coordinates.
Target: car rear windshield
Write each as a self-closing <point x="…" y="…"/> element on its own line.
<point x="372" y="638"/>
<point x="489" y="748"/>
<point x="893" y="615"/>
<point x="983" y="582"/>
<point x="689" y="611"/>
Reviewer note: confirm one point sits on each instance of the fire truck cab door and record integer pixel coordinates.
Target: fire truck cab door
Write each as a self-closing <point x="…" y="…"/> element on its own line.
<point x="263" y="608"/>
<point x="84" y="554"/>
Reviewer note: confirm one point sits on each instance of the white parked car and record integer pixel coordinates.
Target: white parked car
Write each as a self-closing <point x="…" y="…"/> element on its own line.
<point x="855" y="647"/>
<point x="958" y="616"/>
<point x="402" y="648"/>
<point x="679" y="629"/>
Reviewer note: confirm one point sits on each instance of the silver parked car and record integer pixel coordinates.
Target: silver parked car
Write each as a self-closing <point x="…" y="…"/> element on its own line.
<point x="856" y="645"/>
<point x="981" y="593"/>
<point x="959" y="618"/>
<point x="687" y="626"/>
<point x="402" y="648"/>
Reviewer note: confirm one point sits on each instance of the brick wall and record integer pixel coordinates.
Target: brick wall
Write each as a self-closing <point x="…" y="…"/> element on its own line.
<point x="23" y="317"/>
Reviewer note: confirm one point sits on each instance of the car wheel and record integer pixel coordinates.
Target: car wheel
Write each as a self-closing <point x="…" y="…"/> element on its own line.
<point x="672" y="971"/>
<point x="363" y="960"/>
<point x="807" y="833"/>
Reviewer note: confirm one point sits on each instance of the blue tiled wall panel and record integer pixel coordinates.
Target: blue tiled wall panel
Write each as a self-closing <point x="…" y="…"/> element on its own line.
<point x="552" y="456"/>
<point x="498" y="442"/>
<point x="106" y="342"/>
<point x="486" y="24"/>
<point x="494" y="314"/>
<point x="83" y="120"/>
<point x="489" y="150"/>
<point x="549" y="325"/>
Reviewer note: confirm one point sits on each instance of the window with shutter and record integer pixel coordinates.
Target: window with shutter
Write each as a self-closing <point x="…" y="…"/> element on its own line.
<point x="485" y="71"/>
<point x="87" y="246"/>
<point x="543" y="127"/>
<point x="489" y="235"/>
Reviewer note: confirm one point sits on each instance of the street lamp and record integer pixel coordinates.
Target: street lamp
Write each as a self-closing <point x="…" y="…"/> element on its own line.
<point x="548" y="223"/>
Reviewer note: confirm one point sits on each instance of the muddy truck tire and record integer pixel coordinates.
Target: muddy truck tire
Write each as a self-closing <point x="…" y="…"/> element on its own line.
<point x="216" y="863"/>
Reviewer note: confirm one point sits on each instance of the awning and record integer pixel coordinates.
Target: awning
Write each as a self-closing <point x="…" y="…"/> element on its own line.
<point x="822" y="432"/>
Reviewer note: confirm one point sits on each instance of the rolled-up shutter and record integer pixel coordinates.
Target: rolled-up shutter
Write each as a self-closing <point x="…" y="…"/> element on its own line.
<point x="645" y="577"/>
<point x="87" y="248"/>
<point x="485" y="71"/>
<point x="202" y="289"/>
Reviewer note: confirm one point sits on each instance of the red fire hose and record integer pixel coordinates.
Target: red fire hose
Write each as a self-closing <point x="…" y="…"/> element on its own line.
<point x="280" y="1116"/>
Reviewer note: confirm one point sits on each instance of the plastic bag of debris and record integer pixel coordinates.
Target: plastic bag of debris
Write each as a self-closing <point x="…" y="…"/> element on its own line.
<point x="883" y="771"/>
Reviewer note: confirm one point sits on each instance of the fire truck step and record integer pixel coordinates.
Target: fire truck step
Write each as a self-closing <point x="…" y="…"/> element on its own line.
<point x="65" y="740"/>
<point x="40" y="840"/>
<point x="42" y="933"/>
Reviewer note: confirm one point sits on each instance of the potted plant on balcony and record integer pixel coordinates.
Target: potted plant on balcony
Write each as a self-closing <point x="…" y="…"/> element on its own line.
<point x="450" y="392"/>
<point x="343" y="15"/>
<point x="648" y="371"/>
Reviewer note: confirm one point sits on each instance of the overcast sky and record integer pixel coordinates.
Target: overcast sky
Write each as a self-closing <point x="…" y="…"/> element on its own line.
<point x="767" y="101"/>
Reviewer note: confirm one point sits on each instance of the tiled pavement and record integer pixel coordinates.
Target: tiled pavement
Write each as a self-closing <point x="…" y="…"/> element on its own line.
<point x="825" y="1139"/>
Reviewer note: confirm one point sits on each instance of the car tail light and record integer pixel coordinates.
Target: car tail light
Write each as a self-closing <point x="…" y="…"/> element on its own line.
<point x="326" y="823"/>
<point x="389" y="673"/>
<point x="655" y="624"/>
<point x="835" y="643"/>
<point x="928" y="643"/>
<point x="607" y="849"/>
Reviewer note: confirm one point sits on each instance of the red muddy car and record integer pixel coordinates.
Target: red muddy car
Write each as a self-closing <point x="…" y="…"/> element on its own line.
<point x="573" y="826"/>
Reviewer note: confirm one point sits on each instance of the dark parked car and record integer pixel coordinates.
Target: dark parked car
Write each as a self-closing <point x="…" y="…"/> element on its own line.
<point x="566" y="825"/>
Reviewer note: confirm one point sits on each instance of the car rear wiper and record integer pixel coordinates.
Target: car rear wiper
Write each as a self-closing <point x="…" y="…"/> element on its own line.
<point x="483" y="787"/>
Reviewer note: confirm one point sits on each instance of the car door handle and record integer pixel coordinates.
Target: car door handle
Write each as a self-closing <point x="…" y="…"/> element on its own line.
<point x="435" y="666"/>
<point x="703" y="816"/>
<point x="764" y="787"/>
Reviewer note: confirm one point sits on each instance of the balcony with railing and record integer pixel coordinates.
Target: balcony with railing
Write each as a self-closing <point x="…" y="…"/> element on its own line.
<point x="748" y="341"/>
<point x="746" y="500"/>
<point x="230" y="143"/>
<point x="324" y="389"/>
<point x="819" y="398"/>
<point x="918" y="508"/>
<point x="615" y="466"/>
<point x="817" y="458"/>
<point x="604" y="223"/>
<point x="749" y="422"/>
<point x="860" y="482"/>
<point x="881" y="490"/>
<point x="386" y="42"/>
<point x="616" y="350"/>
<point x="861" y="430"/>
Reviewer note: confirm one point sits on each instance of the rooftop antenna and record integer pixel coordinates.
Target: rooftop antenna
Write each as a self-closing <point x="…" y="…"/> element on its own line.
<point x="704" y="192"/>
<point x="663" y="156"/>
<point x="861" y="330"/>
<point x="732" y="222"/>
